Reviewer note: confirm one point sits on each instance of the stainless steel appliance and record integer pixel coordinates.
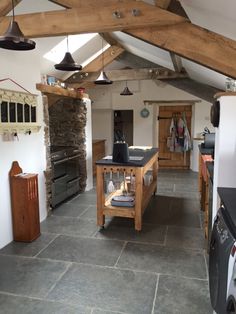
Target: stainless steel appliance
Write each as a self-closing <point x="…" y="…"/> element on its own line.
<point x="231" y="292"/>
<point x="222" y="239"/>
<point x="65" y="173"/>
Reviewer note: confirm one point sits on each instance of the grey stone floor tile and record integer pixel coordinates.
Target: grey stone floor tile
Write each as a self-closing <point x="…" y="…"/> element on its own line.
<point x="68" y="226"/>
<point x="159" y="203"/>
<point x="106" y="288"/>
<point x="21" y="305"/>
<point x="187" y="194"/>
<point x="119" y="221"/>
<point x="85" y="199"/>
<point x="186" y="187"/>
<point x="192" y="238"/>
<point x="28" y="249"/>
<point x="90" y="213"/>
<point x="99" y="311"/>
<point x="84" y="250"/>
<point x="29" y="276"/>
<point x="69" y="210"/>
<point x="185" y="204"/>
<point x="171" y="216"/>
<point x="176" y="295"/>
<point x="164" y="260"/>
<point x="150" y="233"/>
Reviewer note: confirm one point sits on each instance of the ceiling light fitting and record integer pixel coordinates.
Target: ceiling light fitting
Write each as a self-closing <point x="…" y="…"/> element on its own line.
<point x="117" y="14"/>
<point x="14" y="39"/>
<point x="68" y="63"/>
<point x="135" y="12"/>
<point x="126" y="91"/>
<point x="102" y="79"/>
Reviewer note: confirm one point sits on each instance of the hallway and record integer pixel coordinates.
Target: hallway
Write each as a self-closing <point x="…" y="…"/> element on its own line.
<point x="76" y="268"/>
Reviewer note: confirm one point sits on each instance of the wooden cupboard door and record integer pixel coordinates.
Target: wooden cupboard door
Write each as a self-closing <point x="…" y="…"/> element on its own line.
<point x="168" y="159"/>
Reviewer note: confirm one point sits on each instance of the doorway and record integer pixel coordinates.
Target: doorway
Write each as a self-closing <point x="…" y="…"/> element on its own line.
<point x="167" y="157"/>
<point x="123" y="125"/>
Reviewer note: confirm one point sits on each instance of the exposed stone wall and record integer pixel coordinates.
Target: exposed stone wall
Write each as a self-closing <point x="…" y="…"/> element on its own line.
<point x="67" y="121"/>
<point x="65" y="126"/>
<point x="48" y="171"/>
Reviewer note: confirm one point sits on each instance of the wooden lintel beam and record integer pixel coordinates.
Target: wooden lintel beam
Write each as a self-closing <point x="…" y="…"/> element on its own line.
<point x="85" y="3"/>
<point x="6" y="6"/>
<point x="108" y="38"/>
<point x="195" y="43"/>
<point x="162" y="3"/>
<point x="112" y="17"/>
<point x="97" y="64"/>
<point x="128" y="75"/>
<point x="177" y="62"/>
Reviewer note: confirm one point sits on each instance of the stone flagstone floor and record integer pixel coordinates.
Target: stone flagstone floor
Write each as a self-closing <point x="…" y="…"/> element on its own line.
<point x="74" y="267"/>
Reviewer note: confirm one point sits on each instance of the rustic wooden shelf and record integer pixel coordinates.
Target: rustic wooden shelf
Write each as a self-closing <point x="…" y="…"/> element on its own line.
<point x="59" y="91"/>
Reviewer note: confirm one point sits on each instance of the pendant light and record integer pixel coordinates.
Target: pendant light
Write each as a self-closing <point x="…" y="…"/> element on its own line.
<point x="14" y="39"/>
<point x="102" y="79"/>
<point x="68" y="63"/>
<point x="126" y="91"/>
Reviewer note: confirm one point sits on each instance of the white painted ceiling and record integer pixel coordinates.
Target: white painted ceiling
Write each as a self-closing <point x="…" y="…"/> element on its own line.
<point x="216" y="15"/>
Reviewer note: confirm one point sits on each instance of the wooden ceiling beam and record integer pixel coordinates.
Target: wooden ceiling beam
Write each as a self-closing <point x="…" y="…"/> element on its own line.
<point x="194" y="43"/>
<point x="85" y="3"/>
<point x="85" y="20"/>
<point x="162" y="3"/>
<point x="129" y="75"/>
<point x="108" y="38"/>
<point x="177" y="62"/>
<point x="6" y="6"/>
<point x="97" y="64"/>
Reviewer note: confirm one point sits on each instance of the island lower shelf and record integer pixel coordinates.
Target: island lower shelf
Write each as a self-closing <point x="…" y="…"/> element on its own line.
<point x="142" y="193"/>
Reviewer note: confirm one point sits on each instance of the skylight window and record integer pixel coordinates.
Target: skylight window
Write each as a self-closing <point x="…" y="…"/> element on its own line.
<point x="57" y="53"/>
<point x="95" y="55"/>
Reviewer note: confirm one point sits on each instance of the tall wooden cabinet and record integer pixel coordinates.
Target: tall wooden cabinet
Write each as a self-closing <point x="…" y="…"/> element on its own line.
<point x="25" y="204"/>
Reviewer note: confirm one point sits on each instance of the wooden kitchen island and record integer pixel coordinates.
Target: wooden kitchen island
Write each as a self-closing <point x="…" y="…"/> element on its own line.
<point x="141" y="161"/>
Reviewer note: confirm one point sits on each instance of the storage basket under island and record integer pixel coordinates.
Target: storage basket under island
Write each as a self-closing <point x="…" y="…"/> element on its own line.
<point x="143" y="162"/>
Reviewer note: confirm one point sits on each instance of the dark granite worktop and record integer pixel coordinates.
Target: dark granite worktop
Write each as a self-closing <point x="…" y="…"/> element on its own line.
<point x="205" y="151"/>
<point x="147" y="154"/>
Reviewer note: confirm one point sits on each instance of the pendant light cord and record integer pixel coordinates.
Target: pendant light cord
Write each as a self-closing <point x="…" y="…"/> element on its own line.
<point x="13" y="12"/>
<point x="67" y="42"/>
<point x="102" y="56"/>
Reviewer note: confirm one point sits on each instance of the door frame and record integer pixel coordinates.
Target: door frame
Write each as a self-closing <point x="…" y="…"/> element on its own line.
<point x="157" y="103"/>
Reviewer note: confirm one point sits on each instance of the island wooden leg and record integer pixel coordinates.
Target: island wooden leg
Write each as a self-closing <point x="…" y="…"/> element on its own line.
<point x="138" y="198"/>
<point x="100" y="197"/>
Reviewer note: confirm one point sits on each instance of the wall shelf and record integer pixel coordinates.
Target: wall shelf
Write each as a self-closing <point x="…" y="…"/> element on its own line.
<point x="59" y="91"/>
<point x="19" y="127"/>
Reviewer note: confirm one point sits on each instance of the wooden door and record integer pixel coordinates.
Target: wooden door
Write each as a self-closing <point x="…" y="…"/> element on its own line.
<point x="168" y="159"/>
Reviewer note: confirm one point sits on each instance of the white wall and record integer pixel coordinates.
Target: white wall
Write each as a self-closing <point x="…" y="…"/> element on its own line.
<point x="145" y="129"/>
<point x="88" y="143"/>
<point x="101" y="131"/>
<point x="29" y="151"/>
<point x="225" y="148"/>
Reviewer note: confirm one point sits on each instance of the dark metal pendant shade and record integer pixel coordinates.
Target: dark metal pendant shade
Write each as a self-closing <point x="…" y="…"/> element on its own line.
<point x="126" y="92"/>
<point x="103" y="79"/>
<point x="68" y="64"/>
<point x="14" y="39"/>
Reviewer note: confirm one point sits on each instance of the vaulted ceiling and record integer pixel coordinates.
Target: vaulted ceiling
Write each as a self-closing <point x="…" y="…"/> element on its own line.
<point x="179" y="40"/>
